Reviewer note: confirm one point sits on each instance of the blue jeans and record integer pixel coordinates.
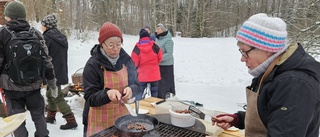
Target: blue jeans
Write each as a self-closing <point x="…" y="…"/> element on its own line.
<point x="153" y="89"/>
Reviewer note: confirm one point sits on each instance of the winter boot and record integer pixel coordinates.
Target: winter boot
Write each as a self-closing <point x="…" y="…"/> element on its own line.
<point x="51" y="116"/>
<point x="71" y="122"/>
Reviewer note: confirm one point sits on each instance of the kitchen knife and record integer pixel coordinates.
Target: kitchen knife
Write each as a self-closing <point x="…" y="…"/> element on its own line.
<point x="161" y="101"/>
<point x="130" y="109"/>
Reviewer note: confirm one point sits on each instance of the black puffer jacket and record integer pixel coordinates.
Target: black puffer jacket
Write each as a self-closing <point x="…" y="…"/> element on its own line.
<point x="17" y="26"/>
<point x="58" y="50"/>
<point x="95" y="94"/>
<point x="289" y="99"/>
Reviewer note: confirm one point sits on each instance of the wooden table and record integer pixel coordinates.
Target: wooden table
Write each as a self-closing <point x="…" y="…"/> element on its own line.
<point x="146" y="104"/>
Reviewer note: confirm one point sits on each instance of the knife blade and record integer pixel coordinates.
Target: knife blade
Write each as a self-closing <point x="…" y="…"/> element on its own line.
<point x="130" y="109"/>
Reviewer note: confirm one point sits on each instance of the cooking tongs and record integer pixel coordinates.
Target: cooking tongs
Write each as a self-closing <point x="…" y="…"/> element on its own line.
<point x="199" y="114"/>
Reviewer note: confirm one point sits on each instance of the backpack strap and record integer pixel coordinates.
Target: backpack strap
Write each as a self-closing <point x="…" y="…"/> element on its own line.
<point x="11" y="32"/>
<point x="33" y="30"/>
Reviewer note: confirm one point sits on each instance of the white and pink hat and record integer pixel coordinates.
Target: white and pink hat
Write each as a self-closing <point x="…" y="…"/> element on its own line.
<point x="263" y="32"/>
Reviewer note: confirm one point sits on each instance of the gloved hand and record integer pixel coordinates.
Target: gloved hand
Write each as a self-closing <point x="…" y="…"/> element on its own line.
<point x="53" y="87"/>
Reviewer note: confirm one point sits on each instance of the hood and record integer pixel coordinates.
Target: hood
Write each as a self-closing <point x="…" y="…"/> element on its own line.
<point x="164" y="35"/>
<point x="57" y="36"/>
<point x="103" y="61"/>
<point x="295" y="58"/>
<point x="145" y="44"/>
<point x="18" y="25"/>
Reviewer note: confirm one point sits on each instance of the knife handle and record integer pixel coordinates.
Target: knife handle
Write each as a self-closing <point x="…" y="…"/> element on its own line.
<point x="159" y="102"/>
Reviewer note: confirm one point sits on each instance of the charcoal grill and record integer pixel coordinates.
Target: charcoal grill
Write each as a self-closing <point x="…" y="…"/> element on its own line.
<point x="163" y="130"/>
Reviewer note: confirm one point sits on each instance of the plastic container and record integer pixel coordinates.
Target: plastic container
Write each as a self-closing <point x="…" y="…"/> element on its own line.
<point x="179" y="119"/>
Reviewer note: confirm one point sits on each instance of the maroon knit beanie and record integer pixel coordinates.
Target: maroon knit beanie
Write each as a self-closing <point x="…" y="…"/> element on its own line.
<point x="108" y="30"/>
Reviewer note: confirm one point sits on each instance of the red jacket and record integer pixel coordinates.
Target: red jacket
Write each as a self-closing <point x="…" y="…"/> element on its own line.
<point x="146" y="56"/>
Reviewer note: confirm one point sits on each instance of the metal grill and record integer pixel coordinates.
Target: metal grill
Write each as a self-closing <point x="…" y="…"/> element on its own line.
<point x="163" y="130"/>
<point x="109" y="132"/>
<point x="166" y="130"/>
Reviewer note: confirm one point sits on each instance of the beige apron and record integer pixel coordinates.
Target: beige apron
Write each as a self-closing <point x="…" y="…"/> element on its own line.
<point x="253" y="124"/>
<point x="102" y="117"/>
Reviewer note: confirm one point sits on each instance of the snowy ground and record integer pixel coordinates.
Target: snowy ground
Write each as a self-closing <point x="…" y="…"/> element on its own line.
<point x="207" y="70"/>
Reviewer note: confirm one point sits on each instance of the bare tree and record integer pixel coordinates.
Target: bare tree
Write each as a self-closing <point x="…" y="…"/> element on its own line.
<point x="193" y="18"/>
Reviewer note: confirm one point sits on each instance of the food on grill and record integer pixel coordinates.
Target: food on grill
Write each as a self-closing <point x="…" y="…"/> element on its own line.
<point x="141" y="127"/>
<point x="185" y="111"/>
<point x="130" y="126"/>
<point x="137" y="126"/>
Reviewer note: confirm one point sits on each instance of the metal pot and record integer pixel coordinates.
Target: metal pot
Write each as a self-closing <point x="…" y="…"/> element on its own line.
<point x="148" y="121"/>
<point x="76" y="88"/>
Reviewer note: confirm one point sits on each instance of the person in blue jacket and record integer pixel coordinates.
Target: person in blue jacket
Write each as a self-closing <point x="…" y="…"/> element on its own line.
<point x="148" y="29"/>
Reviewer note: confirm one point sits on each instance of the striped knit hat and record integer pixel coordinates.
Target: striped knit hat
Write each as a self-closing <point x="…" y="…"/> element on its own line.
<point x="263" y="32"/>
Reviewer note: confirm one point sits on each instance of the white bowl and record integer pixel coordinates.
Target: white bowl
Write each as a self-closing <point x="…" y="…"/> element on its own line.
<point x="179" y="119"/>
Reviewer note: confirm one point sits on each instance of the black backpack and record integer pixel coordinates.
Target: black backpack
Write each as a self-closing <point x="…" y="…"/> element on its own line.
<point x="25" y="61"/>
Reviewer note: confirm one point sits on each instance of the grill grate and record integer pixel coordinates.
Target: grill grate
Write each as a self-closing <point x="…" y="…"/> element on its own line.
<point x="163" y="130"/>
<point x="166" y="130"/>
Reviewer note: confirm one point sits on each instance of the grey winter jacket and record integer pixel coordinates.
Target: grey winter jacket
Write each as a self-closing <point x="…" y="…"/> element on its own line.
<point x="166" y="44"/>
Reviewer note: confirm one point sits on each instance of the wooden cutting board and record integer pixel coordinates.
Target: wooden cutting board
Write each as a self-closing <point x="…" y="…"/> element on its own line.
<point x="146" y="104"/>
<point x="227" y="133"/>
<point x="11" y="123"/>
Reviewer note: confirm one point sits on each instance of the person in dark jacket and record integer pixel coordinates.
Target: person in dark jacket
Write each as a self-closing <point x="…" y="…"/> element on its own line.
<point x="58" y="49"/>
<point x="109" y="77"/>
<point x="284" y="97"/>
<point x="165" y="42"/>
<point x="21" y="97"/>
<point x="146" y="56"/>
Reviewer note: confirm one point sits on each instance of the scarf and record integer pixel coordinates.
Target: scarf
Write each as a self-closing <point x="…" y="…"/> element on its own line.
<point x="264" y="65"/>
<point x="112" y="60"/>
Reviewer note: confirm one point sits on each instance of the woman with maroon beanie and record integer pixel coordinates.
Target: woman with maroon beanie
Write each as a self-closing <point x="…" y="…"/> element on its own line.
<point x="109" y="76"/>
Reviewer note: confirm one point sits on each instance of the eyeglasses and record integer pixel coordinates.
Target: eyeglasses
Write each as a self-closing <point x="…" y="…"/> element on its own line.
<point x="245" y="53"/>
<point x="111" y="46"/>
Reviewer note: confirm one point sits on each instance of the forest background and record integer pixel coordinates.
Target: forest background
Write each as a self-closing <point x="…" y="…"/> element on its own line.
<point x="186" y="18"/>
